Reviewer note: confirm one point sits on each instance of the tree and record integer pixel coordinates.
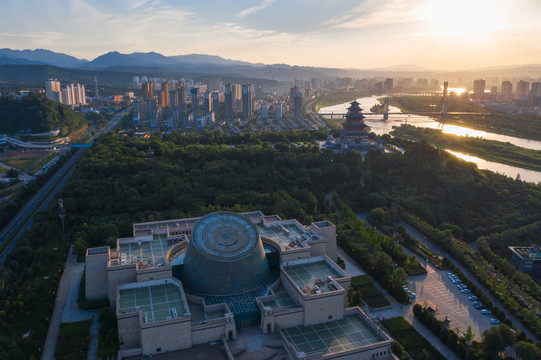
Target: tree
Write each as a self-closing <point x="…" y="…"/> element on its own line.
<point x="398" y="278"/>
<point x="527" y="351"/>
<point x="397" y="349"/>
<point x="424" y="355"/>
<point x="13" y="173"/>
<point x="493" y="341"/>
<point x="507" y="334"/>
<point x="469" y="335"/>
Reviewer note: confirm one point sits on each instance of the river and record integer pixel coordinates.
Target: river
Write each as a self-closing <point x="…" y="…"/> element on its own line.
<point x="380" y="127"/>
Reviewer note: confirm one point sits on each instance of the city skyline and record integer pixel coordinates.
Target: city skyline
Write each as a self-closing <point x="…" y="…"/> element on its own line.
<point x="347" y="34"/>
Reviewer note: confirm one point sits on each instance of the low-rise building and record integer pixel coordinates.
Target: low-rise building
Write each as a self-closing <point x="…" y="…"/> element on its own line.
<point x="179" y="283"/>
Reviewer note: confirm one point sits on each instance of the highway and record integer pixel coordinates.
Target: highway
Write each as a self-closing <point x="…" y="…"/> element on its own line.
<point x="23" y="219"/>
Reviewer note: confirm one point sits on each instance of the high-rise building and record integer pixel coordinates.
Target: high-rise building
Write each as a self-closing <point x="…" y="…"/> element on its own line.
<point x="535" y="94"/>
<point x="136" y="83"/>
<point x="388" y="85"/>
<point x="279" y="113"/>
<point x="247" y="101"/>
<point x="53" y="90"/>
<point x="207" y="100"/>
<point x="523" y="88"/>
<point x="236" y="93"/>
<point x="182" y="100"/>
<point x="494" y="89"/>
<point x="258" y="92"/>
<point x="297" y="106"/>
<point x="378" y="87"/>
<point x="165" y="92"/>
<point x="217" y="98"/>
<point x="136" y="113"/>
<point x="292" y="92"/>
<point x="228" y="101"/>
<point x="507" y="88"/>
<point x="478" y="87"/>
<point x="265" y="111"/>
<point x="195" y="102"/>
<point x="67" y="94"/>
<point x="148" y="91"/>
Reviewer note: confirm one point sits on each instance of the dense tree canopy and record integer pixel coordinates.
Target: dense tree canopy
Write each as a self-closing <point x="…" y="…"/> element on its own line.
<point x="37" y="114"/>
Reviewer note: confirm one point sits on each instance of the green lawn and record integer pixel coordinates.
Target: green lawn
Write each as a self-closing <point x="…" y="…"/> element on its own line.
<point x="29" y="165"/>
<point x="371" y="295"/>
<point x="411" y="340"/>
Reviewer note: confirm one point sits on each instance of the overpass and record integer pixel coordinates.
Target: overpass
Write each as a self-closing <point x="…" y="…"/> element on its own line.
<point x="30" y="145"/>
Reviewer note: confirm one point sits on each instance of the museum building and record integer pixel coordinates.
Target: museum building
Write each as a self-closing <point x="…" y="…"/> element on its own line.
<point x="180" y="283"/>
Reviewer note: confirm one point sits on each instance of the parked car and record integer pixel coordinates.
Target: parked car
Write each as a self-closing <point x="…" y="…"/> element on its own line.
<point x="465" y="291"/>
<point x="457" y="281"/>
<point x="486" y="312"/>
<point x="478" y="305"/>
<point x="461" y="286"/>
<point x="412" y="295"/>
<point x="450" y="275"/>
<point x="494" y="321"/>
<point x="472" y="298"/>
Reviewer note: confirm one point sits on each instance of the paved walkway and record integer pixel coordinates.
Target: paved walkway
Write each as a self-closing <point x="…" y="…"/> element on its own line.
<point x="436" y="248"/>
<point x="65" y="307"/>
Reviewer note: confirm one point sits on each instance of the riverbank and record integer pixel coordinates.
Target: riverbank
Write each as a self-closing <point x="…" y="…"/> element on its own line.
<point x="496" y="151"/>
<point x="526" y="127"/>
<point x="336" y="98"/>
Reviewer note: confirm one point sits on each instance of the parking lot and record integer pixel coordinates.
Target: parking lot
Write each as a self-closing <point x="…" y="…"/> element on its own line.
<point x="436" y="288"/>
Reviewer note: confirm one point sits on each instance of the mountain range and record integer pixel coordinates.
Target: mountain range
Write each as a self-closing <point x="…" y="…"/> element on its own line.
<point x="139" y="63"/>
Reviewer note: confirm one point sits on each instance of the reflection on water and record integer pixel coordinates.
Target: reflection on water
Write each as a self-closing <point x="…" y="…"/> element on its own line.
<point x="380" y="127"/>
<point x="511" y="171"/>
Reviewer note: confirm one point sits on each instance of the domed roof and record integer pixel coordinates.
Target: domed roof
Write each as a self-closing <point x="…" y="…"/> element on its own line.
<point x="225" y="255"/>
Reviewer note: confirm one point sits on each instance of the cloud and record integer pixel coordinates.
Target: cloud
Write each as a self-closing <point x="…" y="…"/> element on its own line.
<point x="248" y="11"/>
<point x="376" y="12"/>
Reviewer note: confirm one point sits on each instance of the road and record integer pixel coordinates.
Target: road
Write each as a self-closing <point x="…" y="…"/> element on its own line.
<point x="23" y="219"/>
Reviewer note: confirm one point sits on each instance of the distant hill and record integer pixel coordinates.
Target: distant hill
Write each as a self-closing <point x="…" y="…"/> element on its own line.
<point x="120" y="76"/>
<point x="38" y="115"/>
<point x="116" y="68"/>
<point x="43" y="56"/>
<point x="4" y="60"/>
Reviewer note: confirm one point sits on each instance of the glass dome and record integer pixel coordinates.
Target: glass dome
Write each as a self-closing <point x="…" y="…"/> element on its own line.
<point x="225" y="256"/>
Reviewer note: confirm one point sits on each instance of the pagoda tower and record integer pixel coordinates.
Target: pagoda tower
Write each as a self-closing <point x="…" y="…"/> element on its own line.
<point x="355" y="130"/>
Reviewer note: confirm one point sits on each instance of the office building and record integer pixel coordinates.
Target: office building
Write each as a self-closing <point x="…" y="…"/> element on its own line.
<point x="179" y="283"/>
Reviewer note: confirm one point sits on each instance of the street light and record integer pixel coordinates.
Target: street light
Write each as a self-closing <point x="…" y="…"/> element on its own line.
<point x="62" y="214"/>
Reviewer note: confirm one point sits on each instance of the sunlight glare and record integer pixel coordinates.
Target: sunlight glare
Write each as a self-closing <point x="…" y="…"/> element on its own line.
<point x="463" y="17"/>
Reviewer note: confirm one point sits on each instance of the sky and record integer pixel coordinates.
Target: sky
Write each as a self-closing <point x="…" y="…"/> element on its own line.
<point x="363" y="34"/>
